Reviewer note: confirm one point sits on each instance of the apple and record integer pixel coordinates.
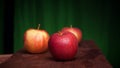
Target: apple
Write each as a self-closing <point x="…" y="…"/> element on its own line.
<point x="76" y="31"/>
<point x="63" y="46"/>
<point x="36" y="40"/>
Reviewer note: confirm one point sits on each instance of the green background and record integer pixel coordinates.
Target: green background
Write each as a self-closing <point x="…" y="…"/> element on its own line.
<point x="96" y="18"/>
<point x="1" y="26"/>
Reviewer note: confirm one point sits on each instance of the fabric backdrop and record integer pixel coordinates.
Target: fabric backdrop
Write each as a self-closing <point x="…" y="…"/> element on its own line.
<point x="96" y="19"/>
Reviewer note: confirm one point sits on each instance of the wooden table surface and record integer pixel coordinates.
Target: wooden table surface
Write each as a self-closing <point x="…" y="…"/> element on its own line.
<point x="88" y="56"/>
<point x="4" y="57"/>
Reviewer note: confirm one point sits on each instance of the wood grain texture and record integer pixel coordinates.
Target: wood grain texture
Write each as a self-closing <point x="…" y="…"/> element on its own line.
<point x="88" y="56"/>
<point x="4" y="57"/>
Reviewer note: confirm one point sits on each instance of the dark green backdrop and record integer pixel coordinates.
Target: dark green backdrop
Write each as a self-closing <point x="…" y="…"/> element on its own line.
<point x="96" y="18"/>
<point x="1" y="25"/>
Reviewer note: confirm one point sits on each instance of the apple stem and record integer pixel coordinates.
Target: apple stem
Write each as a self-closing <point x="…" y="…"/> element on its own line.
<point x="59" y="32"/>
<point x="70" y="26"/>
<point x="38" y="26"/>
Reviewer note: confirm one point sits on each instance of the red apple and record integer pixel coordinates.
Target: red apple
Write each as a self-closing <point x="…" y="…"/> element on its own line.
<point x="36" y="41"/>
<point x="63" y="46"/>
<point x="76" y="31"/>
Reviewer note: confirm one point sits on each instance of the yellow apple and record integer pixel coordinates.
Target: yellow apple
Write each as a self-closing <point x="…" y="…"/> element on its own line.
<point x="36" y="40"/>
